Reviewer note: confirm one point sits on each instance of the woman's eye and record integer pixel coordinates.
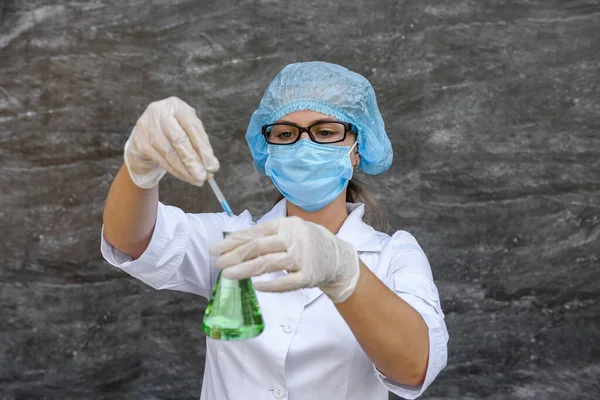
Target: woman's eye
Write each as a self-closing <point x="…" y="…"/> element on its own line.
<point x="285" y="135"/>
<point x="325" y="133"/>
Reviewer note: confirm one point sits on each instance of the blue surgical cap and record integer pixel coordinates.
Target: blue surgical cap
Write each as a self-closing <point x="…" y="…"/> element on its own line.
<point x="329" y="89"/>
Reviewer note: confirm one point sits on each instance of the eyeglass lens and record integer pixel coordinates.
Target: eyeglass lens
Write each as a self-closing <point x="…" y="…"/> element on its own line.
<point x="327" y="132"/>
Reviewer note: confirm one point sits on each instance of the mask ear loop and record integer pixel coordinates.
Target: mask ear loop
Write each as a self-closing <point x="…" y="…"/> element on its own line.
<point x="350" y="152"/>
<point x="352" y="148"/>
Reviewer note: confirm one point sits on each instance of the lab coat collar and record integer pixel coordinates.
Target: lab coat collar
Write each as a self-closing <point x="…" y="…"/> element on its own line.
<point x="363" y="237"/>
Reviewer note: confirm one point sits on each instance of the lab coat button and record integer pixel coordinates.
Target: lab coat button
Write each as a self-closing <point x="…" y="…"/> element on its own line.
<point x="278" y="392"/>
<point x="289" y="327"/>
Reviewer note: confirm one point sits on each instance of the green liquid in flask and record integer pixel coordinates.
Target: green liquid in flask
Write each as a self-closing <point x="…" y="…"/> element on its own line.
<point x="233" y="312"/>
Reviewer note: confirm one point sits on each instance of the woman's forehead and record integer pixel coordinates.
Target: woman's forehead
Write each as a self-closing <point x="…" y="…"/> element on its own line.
<point x="305" y="117"/>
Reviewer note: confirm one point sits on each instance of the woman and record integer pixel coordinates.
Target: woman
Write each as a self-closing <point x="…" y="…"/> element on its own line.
<point x="349" y="312"/>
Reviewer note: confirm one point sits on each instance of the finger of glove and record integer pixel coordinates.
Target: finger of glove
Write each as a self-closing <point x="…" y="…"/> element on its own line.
<point x="157" y="147"/>
<point x="198" y="137"/>
<point x="185" y="151"/>
<point x="148" y="141"/>
<point x="172" y="164"/>
<point x="238" y="238"/>
<point x="258" y="266"/>
<point x="252" y="249"/>
<point x="293" y="281"/>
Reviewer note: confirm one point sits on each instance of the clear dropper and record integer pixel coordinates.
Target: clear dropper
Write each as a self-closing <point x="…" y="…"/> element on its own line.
<point x="220" y="197"/>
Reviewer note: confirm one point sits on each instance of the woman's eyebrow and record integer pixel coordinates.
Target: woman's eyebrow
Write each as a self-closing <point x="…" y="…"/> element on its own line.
<point x="327" y="119"/>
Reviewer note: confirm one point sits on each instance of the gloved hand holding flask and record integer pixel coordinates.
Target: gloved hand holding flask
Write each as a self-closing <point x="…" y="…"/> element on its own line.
<point x="311" y="254"/>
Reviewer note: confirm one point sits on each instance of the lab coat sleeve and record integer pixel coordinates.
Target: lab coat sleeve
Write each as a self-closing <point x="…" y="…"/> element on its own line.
<point x="409" y="275"/>
<point x="177" y="257"/>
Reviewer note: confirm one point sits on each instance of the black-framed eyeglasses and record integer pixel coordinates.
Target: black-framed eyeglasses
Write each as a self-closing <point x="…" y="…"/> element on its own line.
<point x="325" y="132"/>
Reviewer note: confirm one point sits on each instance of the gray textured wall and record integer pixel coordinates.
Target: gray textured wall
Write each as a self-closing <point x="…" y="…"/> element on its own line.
<point x="493" y="109"/>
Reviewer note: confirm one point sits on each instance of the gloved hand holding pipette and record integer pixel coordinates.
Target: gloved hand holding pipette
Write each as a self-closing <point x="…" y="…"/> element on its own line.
<point x="169" y="137"/>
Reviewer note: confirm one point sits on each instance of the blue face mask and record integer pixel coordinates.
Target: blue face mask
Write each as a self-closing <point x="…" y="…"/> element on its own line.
<point x="309" y="174"/>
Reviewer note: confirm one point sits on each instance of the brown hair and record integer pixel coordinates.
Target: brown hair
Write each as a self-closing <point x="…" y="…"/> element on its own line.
<point x="357" y="192"/>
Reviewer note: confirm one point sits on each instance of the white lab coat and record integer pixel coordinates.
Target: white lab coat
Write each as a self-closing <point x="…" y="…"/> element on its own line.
<point x="307" y="351"/>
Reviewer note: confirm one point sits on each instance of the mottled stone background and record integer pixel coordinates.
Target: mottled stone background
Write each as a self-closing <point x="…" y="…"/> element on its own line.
<point x="493" y="108"/>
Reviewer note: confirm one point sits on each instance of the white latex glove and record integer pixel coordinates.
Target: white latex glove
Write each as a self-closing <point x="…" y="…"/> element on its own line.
<point x="169" y="136"/>
<point x="311" y="254"/>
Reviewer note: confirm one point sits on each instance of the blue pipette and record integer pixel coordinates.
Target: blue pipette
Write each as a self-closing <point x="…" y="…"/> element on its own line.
<point x="220" y="197"/>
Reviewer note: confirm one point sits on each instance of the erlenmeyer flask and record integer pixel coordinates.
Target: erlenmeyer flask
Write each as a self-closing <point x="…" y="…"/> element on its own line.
<point x="233" y="312"/>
